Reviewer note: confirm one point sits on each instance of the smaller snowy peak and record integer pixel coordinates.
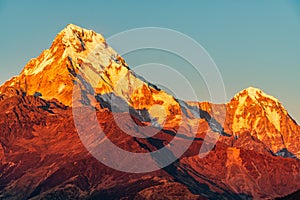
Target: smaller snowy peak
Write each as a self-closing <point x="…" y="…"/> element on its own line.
<point x="252" y="103"/>
<point x="74" y="27"/>
<point x="255" y="94"/>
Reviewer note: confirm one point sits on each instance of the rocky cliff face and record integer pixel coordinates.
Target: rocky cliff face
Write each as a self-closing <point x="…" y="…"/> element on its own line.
<point x="42" y="156"/>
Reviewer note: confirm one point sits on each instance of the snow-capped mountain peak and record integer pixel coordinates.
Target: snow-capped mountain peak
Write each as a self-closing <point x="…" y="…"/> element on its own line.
<point x="79" y="39"/>
<point x="72" y="48"/>
<point x="80" y="58"/>
<point x="255" y="94"/>
<point x="264" y="117"/>
<point x="43" y="155"/>
<point x="253" y="100"/>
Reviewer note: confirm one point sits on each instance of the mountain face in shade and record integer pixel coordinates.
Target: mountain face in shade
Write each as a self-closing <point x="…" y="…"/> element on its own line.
<point x="42" y="156"/>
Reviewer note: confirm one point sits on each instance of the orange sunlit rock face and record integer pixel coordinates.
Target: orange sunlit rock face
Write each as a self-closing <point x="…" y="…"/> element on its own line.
<point x="42" y="156"/>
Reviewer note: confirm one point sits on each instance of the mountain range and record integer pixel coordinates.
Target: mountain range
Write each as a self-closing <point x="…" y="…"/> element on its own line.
<point x="247" y="148"/>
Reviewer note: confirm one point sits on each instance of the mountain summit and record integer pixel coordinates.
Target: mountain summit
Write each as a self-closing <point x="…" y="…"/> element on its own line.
<point x="81" y="56"/>
<point x="49" y="73"/>
<point x="42" y="156"/>
<point x="265" y="118"/>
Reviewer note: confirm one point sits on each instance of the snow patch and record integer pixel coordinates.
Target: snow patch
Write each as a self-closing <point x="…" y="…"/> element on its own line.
<point x="240" y="107"/>
<point x="254" y="94"/>
<point x="274" y="117"/>
<point x="61" y="87"/>
<point x="40" y="67"/>
<point x="48" y="59"/>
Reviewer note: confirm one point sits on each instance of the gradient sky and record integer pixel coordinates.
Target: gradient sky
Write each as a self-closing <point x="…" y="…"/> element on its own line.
<point x="254" y="43"/>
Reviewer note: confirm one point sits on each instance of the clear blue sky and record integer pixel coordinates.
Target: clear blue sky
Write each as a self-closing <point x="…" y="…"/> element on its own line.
<point x="254" y="43"/>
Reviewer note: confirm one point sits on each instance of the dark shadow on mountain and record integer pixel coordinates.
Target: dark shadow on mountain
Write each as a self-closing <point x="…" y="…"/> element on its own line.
<point x="180" y="135"/>
<point x="144" y="80"/>
<point x="294" y="196"/>
<point x="285" y="153"/>
<point x="293" y="119"/>
<point x="181" y="173"/>
<point x="202" y="114"/>
<point x="117" y="104"/>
